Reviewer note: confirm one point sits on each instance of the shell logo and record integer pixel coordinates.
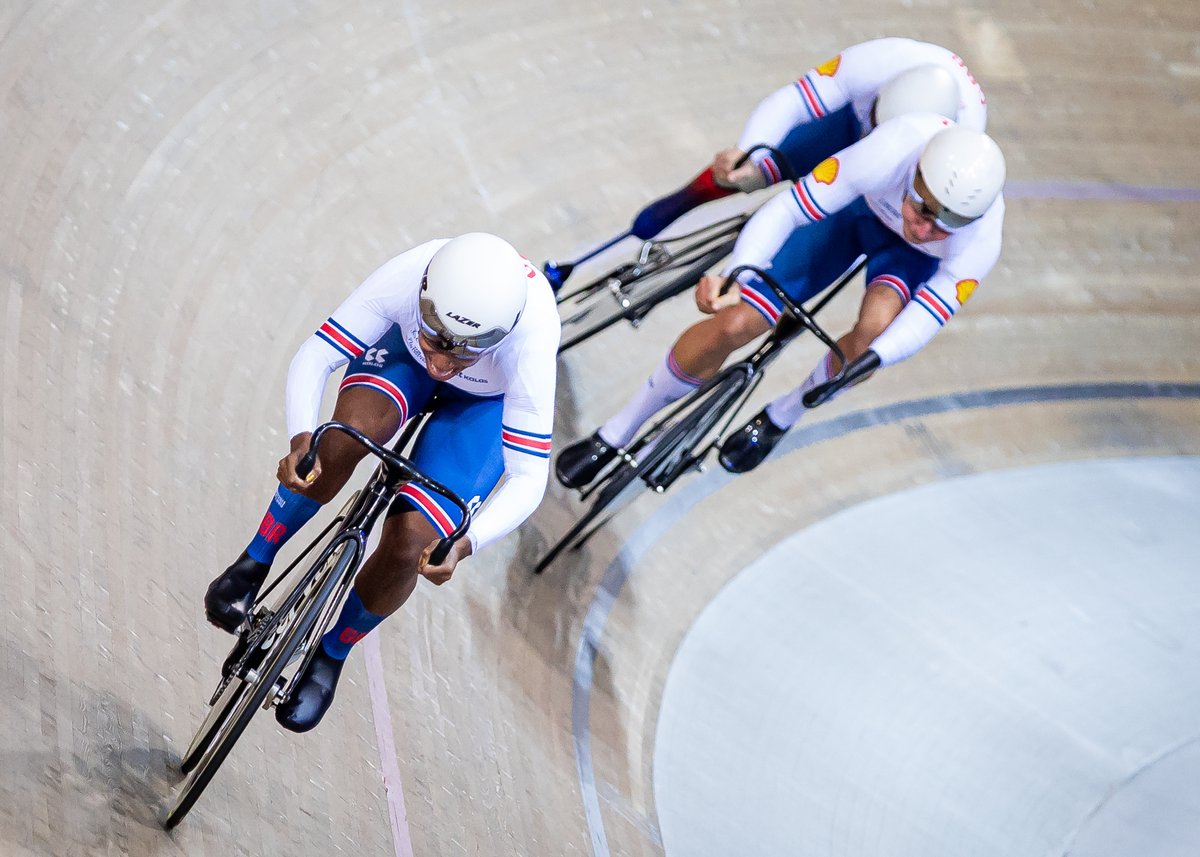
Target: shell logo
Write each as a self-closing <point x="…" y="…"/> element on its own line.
<point x="963" y="289"/>
<point x="826" y="171"/>
<point x="829" y="67"/>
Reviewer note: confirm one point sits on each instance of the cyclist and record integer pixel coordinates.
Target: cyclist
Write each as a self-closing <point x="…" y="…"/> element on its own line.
<point x="469" y="319"/>
<point x="919" y="196"/>
<point x="831" y="107"/>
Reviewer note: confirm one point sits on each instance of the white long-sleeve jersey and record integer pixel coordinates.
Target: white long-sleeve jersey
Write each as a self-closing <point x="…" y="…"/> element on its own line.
<point x="522" y="369"/>
<point x="880" y="168"/>
<point x="854" y="77"/>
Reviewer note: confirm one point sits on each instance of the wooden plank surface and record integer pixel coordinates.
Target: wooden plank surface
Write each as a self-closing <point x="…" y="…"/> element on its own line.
<point x="189" y="189"/>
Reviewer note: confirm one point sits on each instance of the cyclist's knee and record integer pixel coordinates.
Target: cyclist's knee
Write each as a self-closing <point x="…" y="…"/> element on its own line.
<point x="340" y="454"/>
<point x="369" y="411"/>
<point x="407" y="534"/>
<point x="704" y="346"/>
<point x="739" y="324"/>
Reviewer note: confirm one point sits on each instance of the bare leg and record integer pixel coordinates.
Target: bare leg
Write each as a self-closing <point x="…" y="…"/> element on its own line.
<point x="389" y="576"/>
<point x="705" y="346"/>
<point x="697" y="355"/>
<point x="371" y="413"/>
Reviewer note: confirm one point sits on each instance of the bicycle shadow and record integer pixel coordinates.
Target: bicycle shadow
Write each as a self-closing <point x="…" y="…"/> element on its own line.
<point x="103" y="775"/>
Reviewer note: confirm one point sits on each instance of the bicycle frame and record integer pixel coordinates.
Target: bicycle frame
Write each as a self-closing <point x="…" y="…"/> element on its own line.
<point x="659" y="468"/>
<point x="676" y="443"/>
<point x="356" y="522"/>
<point x="654" y="255"/>
<point x="585" y="310"/>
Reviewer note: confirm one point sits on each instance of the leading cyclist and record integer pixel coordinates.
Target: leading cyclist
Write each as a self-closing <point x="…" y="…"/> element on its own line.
<point x="826" y="110"/>
<point x="467" y="318"/>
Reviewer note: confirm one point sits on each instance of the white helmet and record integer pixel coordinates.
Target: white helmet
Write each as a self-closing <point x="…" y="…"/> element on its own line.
<point x="921" y="89"/>
<point x="964" y="171"/>
<point x="472" y="293"/>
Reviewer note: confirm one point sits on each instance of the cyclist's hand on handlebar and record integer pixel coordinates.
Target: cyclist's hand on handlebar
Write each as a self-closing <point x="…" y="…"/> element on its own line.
<point x="747" y="177"/>
<point x="724" y="163"/>
<point x="287" y="465"/>
<point x="709" y="299"/>
<point x="439" y="574"/>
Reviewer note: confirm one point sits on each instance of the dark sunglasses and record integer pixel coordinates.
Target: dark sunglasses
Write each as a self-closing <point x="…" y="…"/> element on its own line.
<point x="942" y="217"/>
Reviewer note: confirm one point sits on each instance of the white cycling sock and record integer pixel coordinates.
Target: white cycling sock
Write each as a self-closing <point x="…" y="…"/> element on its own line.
<point x="666" y="384"/>
<point x="788" y="408"/>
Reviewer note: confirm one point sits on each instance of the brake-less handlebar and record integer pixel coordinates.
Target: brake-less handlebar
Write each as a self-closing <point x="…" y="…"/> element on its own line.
<point x="781" y="161"/>
<point x="798" y="312"/>
<point x="851" y="372"/>
<point x="400" y="465"/>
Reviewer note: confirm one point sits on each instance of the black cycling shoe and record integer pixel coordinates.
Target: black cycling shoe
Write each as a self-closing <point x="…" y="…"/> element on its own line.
<point x="313" y="693"/>
<point x="230" y="595"/>
<point x="746" y="449"/>
<point x="580" y="463"/>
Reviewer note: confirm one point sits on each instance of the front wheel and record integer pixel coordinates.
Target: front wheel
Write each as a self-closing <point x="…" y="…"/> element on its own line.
<point x="683" y="440"/>
<point x="243" y="697"/>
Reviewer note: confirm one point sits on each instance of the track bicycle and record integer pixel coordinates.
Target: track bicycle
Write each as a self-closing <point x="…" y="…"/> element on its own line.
<point x="286" y="622"/>
<point x="663" y="268"/>
<point x="682" y="439"/>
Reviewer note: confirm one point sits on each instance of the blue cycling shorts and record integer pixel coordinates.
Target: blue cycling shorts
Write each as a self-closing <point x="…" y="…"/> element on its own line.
<point x="808" y="144"/>
<point x="816" y="254"/>
<point x="460" y="445"/>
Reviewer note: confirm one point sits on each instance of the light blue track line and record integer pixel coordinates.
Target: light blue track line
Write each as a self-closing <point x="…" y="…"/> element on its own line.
<point x="1104" y="191"/>
<point x="683" y="500"/>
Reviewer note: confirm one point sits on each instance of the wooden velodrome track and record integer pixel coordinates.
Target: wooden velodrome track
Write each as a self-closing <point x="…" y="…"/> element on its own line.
<point x="188" y="189"/>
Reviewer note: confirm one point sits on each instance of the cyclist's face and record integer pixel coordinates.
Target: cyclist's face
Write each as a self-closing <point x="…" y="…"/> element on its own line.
<point x="919" y="225"/>
<point x="439" y="365"/>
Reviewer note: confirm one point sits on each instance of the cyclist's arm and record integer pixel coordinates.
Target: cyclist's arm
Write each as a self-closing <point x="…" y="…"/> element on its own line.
<point x="937" y="301"/>
<point x="830" y="187"/>
<point x="853" y="74"/>
<point x="310" y="369"/>
<point x="527" y="422"/>
<point x="871" y="165"/>
<point x="800" y="102"/>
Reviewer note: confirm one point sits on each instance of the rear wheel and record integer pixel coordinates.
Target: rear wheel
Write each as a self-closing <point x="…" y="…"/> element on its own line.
<point x="243" y="696"/>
